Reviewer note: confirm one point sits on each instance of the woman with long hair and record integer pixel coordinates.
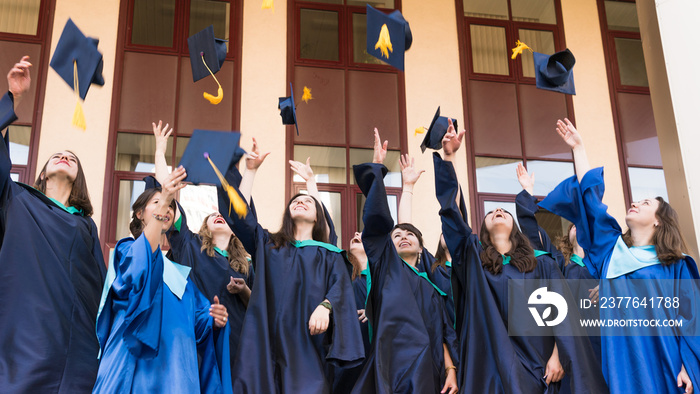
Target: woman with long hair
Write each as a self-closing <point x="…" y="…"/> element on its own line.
<point x="647" y="260"/>
<point x="157" y="331"/>
<point x="51" y="269"/>
<point x="301" y="320"/>
<point x="483" y="267"/>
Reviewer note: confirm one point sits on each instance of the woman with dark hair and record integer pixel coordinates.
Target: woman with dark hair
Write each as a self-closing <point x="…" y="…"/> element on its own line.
<point x="51" y="269"/>
<point x="157" y="331"/>
<point x="302" y="320"/>
<point x="413" y="346"/>
<point x="490" y="273"/>
<point x="647" y="260"/>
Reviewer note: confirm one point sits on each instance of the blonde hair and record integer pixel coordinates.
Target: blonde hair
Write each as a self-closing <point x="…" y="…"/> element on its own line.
<point x="237" y="255"/>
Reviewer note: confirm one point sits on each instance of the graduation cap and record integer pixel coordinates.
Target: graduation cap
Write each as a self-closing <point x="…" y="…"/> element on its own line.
<point x="207" y="55"/>
<point x="288" y="110"/>
<point x="77" y="60"/>
<point x="555" y="72"/>
<point x="388" y="36"/>
<point x="208" y="151"/>
<point x="436" y="132"/>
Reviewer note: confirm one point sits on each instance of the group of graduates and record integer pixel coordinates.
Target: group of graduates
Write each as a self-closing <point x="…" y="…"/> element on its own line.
<point x="237" y="308"/>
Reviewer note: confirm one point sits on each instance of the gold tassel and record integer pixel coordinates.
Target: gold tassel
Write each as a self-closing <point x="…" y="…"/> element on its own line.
<point x="307" y="95"/>
<point x="384" y="42"/>
<point x="78" y="115"/>
<point x="268" y="5"/>
<point x="518" y="50"/>
<point x="220" y="94"/>
<point x="419" y="130"/>
<point x="235" y="199"/>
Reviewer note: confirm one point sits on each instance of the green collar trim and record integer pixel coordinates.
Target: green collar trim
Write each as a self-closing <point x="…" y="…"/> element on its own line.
<point x="577" y="259"/>
<point x="178" y="223"/>
<point x="311" y="242"/>
<point x="220" y="251"/>
<point x="71" y="210"/>
<point x="448" y="264"/>
<point x="424" y="276"/>
<point x="539" y="253"/>
<point x="506" y="259"/>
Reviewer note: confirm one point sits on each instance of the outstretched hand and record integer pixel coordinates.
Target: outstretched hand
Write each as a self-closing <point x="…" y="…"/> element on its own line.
<point x="452" y="140"/>
<point x="162" y="134"/>
<point x="569" y="134"/>
<point x="409" y="174"/>
<point x="19" y="79"/>
<point x="219" y="313"/>
<point x="526" y="181"/>
<point x="173" y="183"/>
<point x="379" y="148"/>
<point x="304" y="170"/>
<point x="254" y="158"/>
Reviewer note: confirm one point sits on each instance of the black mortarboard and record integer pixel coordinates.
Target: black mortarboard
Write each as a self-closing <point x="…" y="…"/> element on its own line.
<point x="555" y="72"/>
<point x="214" y="50"/>
<point x="436" y="132"/>
<point x="393" y="40"/>
<point x="220" y="146"/>
<point x="74" y="46"/>
<point x="288" y="110"/>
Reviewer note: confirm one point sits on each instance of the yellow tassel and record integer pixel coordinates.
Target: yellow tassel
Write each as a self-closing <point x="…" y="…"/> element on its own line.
<point x="268" y="5"/>
<point x="239" y="205"/>
<point x="419" y="130"/>
<point x="518" y="50"/>
<point x="78" y="115"/>
<point x="384" y="42"/>
<point x="307" y="95"/>
<point x="220" y="94"/>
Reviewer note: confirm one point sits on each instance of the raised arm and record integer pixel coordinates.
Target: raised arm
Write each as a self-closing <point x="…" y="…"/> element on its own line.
<point x="526" y="207"/>
<point x="571" y="137"/>
<point x="252" y="162"/>
<point x="18" y="81"/>
<point x="305" y="171"/>
<point x="171" y="184"/>
<point x="246" y="229"/>
<point x="161" y="134"/>
<point x="409" y="177"/>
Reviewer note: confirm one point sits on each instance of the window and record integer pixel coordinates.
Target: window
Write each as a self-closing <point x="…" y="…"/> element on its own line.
<point x="509" y="118"/>
<point x="153" y="81"/>
<point x="352" y="92"/>
<point x="23" y="32"/>
<point x="640" y="157"/>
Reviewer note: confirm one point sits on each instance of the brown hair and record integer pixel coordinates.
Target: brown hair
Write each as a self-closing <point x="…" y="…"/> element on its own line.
<point x="522" y="256"/>
<point x="440" y="257"/>
<point x="356" y="268"/>
<point x="136" y="225"/>
<point x="285" y="235"/>
<point x="411" y="228"/>
<point x="563" y="243"/>
<point x="667" y="238"/>
<point x="79" y="196"/>
<point x="237" y="256"/>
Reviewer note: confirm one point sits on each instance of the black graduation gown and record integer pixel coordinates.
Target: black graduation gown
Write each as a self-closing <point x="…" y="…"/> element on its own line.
<point x="441" y="278"/>
<point x="491" y="360"/>
<point x="277" y="353"/>
<point x="51" y="273"/>
<point x="408" y="333"/>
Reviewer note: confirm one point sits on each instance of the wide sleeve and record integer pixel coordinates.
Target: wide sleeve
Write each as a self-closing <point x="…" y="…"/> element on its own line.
<point x="376" y="215"/>
<point x="582" y="204"/>
<point x="689" y="312"/>
<point x="525" y="209"/>
<point x="6" y="183"/>
<point x="247" y="229"/>
<point x="179" y="236"/>
<point x="213" y="350"/>
<point x="7" y="110"/>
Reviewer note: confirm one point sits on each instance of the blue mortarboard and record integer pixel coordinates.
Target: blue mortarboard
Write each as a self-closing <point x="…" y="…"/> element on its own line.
<point x="555" y="72"/>
<point x="74" y="46"/>
<point x="288" y="110"/>
<point x="219" y="146"/>
<point x="388" y="36"/>
<point x="214" y="50"/>
<point x="436" y="132"/>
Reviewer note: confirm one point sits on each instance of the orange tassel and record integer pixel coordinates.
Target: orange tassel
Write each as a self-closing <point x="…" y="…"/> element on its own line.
<point x="78" y="114"/>
<point x="384" y="41"/>
<point x="220" y="94"/>
<point x="235" y="199"/>
<point x="518" y="50"/>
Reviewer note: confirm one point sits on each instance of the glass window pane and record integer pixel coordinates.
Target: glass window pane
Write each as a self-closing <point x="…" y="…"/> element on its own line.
<point x="135" y="152"/>
<point x="548" y="174"/>
<point x="495" y="175"/>
<point x="360" y="205"/>
<point x="328" y="163"/>
<point x="322" y="119"/>
<point x="19" y="144"/>
<point x="630" y="62"/>
<point x="373" y="101"/>
<point x="536" y="11"/>
<point x="492" y="9"/>
<point x="375" y="4"/>
<point x="154" y="22"/>
<point x="11" y="53"/>
<point x="327" y="1"/>
<point x="19" y="17"/>
<point x="506" y="206"/>
<point x="540" y="110"/>
<point x="181" y="144"/>
<point x="129" y="191"/>
<point x="198" y="201"/>
<point x="638" y="129"/>
<point x="359" y="41"/>
<point x="195" y="112"/>
<point x="490" y="53"/>
<point x="647" y="183"/>
<point x="14" y="176"/>
<point x="332" y="201"/>
<point x="206" y="12"/>
<point x="392" y="163"/>
<point x="495" y="123"/>
<point x="540" y="41"/>
<point x="148" y="91"/>
<point x="621" y="16"/>
<point x="555" y="226"/>
<point x="319" y="35"/>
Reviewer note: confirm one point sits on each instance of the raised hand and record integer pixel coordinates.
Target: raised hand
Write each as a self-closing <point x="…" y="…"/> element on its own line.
<point x="18" y="79"/>
<point x="172" y="184"/>
<point x="162" y="134"/>
<point x="254" y="158"/>
<point x="452" y="140"/>
<point x="379" y="148"/>
<point x="409" y="174"/>
<point x="527" y="182"/>
<point x="304" y="170"/>
<point x="219" y="313"/>
<point x="569" y="134"/>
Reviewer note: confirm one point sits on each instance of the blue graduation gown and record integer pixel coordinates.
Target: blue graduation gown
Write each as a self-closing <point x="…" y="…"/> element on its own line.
<point x="51" y="273"/>
<point x="211" y="275"/>
<point x="406" y="311"/>
<point x="491" y="360"/>
<point x="630" y="363"/>
<point x="277" y="353"/>
<point x="153" y="324"/>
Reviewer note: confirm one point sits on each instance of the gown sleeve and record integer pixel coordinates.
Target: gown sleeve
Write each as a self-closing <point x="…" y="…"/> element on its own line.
<point x="689" y="310"/>
<point x="213" y="349"/>
<point x="525" y="209"/>
<point x="247" y="229"/>
<point x="7" y="110"/>
<point x="179" y="235"/>
<point x="6" y="183"/>
<point x="376" y="216"/>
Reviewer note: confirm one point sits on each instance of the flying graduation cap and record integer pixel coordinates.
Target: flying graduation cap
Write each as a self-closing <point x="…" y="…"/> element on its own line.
<point x="288" y="110"/>
<point x="78" y="62"/>
<point x="207" y="55"/>
<point x="206" y="153"/>
<point x="555" y="72"/>
<point x="388" y="36"/>
<point x="436" y="132"/>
